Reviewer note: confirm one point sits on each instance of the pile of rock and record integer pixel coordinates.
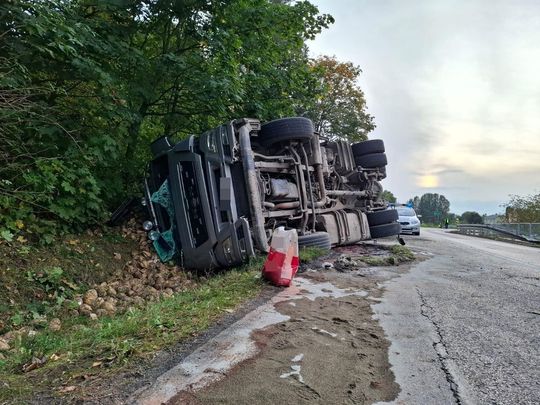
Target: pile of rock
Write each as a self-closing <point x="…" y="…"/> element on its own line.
<point x="144" y="278"/>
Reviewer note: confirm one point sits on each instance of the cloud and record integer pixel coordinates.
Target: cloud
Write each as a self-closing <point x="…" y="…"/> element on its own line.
<point x="454" y="88"/>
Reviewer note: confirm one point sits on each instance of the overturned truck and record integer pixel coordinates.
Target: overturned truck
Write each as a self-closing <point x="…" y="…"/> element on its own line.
<point x="215" y="199"/>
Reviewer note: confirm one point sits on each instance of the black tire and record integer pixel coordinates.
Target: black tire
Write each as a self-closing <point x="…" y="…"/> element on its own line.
<point x="383" y="231"/>
<point x="286" y="129"/>
<point x="371" y="160"/>
<point x="368" y="147"/>
<point x="382" y="217"/>
<point x="318" y="239"/>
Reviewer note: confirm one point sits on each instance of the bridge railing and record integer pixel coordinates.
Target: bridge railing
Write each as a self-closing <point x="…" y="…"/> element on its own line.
<point x="529" y="232"/>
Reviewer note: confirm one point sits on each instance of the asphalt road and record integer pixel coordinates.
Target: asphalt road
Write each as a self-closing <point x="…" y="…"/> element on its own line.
<point x="464" y="325"/>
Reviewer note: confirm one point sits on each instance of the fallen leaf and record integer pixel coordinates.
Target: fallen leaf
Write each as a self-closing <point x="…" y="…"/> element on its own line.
<point x="97" y="363"/>
<point x="71" y="285"/>
<point x="117" y="256"/>
<point x="69" y="388"/>
<point x="35" y="363"/>
<point x="54" y="357"/>
<point x="73" y="241"/>
<point x="21" y="239"/>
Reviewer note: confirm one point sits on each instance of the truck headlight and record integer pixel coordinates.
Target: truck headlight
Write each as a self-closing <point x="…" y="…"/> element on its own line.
<point x="147" y="225"/>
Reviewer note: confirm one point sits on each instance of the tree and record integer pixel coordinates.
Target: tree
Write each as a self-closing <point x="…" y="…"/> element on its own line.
<point x="340" y="111"/>
<point x="388" y="196"/>
<point x="523" y="209"/>
<point x="471" y="217"/>
<point x="433" y="207"/>
<point x="85" y="86"/>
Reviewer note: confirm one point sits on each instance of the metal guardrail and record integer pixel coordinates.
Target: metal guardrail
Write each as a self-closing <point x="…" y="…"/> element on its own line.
<point x="522" y="231"/>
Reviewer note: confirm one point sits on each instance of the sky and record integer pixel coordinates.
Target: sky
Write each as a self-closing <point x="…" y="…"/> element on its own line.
<point x="455" y="90"/>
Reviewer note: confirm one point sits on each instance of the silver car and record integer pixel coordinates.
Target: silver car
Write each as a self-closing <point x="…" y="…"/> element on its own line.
<point x="410" y="224"/>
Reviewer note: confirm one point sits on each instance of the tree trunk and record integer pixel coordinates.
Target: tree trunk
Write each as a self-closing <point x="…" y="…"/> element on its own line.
<point x="133" y="138"/>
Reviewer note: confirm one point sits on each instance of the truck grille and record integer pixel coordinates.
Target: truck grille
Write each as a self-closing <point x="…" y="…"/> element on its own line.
<point x="194" y="204"/>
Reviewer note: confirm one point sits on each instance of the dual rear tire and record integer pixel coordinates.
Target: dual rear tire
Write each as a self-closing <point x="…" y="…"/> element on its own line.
<point x="370" y="154"/>
<point x="285" y="130"/>
<point x="383" y="224"/>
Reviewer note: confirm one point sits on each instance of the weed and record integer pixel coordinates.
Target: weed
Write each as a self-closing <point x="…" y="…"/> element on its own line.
<point x="126" y="337"/>
<point x="308" y="254"/>
<point x="398" y="254"/>
<point x="6" y="235"/>
<point x="49" y="278"/>
<point x="402" y="253"/>
<point x="374" y="260"/>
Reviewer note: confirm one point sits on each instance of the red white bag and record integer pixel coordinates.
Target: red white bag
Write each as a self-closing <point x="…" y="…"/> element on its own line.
<point x="282" y="262"/>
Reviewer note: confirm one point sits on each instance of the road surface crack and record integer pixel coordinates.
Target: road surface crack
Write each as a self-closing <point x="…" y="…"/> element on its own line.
<point x="440" y="347"/>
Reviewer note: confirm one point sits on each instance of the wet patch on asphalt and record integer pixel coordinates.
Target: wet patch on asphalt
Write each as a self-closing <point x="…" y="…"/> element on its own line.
<point x="330" y="350"/>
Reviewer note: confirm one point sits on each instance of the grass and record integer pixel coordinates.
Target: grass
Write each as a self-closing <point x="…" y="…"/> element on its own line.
<point x="402" y="253"/>
<point x="308" y="254"/>
<point x="83" y="346"/>
<point x="398" y="254"/>
<point x="376" y="260"/>
<point x="81" y="259"/>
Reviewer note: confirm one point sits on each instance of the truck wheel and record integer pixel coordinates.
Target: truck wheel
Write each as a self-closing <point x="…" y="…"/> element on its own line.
<point x="286" y="129"/>
<point x="382" y="217"/>
<point x="318" y="239"/>
<point x="368" y="147"/>
<point x="371" y="160"/>
<point x="382" y="231"/>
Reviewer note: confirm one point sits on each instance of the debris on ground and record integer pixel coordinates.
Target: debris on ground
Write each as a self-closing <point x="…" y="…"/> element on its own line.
<point x="359" y="256"/>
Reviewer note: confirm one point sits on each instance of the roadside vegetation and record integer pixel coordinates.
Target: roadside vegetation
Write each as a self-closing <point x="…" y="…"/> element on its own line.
<point x="308" y="254"/>
<point x="397" y="254"/>
<point x="523" y="208"/>
<point x="45" y="357"/>
<point x="85" y="87"/>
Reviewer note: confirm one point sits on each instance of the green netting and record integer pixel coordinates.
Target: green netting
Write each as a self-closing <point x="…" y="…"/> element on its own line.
<point x="165" y="245"/>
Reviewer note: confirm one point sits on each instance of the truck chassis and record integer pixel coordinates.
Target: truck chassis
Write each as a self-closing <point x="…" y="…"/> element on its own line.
<point x="232" y="186"/>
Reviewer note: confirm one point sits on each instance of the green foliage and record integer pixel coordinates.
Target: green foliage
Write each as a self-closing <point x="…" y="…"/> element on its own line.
<point x="388" y="196"/>
<point x="6" y="235"/>
<point x="398" y="254"/>
<point x="402" y="253"/>
<point x="433" y="207"/>
<point x="340" y="107"/>
<point x="310" y="253"/>
<point x="126" y="337"/>
<point x="471" y="217"/>
<point x="50" y="278"/>
<point x="523" y="209"/>
<point x="85" y="86"/>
